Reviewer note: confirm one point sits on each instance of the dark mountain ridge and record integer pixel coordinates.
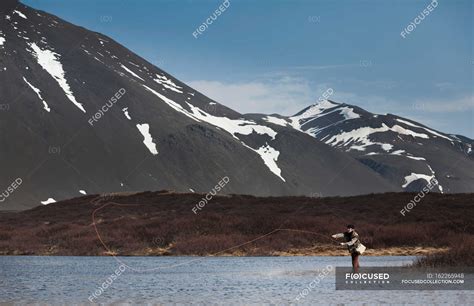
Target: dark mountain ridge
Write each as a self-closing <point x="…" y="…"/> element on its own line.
<point x="59" y="79"/>
<point x="406" y="153"/>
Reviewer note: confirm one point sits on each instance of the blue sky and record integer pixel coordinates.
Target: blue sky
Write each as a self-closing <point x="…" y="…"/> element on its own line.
<point x="276" y="56"/>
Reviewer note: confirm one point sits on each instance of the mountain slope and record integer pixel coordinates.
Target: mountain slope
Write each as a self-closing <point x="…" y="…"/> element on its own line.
<point x="405" y="152"/>
<point x="85" y="115"/>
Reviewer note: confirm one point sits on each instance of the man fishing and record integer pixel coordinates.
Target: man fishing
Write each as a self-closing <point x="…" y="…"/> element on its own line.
<point x="353" y="244"/>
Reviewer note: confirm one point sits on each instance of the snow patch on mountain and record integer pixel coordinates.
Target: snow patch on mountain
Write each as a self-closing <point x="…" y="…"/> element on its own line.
<point x="245" y="127"/>
<point x="428" y="178"/>
<point x="38" y="93"/>
<point x="415" y="157"/>
<point x="316" y="109"/>
<point x="49" y="60"/>
<point x="359" y="138"/>
<point x="401" y="153"/>
<point x="20" y="14"/>
<point x="433" y="173"/>
<point x="131" y="72"/>
<point x="348" y="113"/>
<point x="148" y="141"/>
<point x="426" y="129"/>
<point x="386" y="146"/>
<point x="401" y="130"/>
<point x="398" y="152"/>
<point x="233" y="126"/>
<point x="102" y="41"/>
<point x="321" y="109"/>
<point x="125" y="112"/>
<point x="276" y="120"/>
<point x="48" y="201"/>
<point x="167" y="83"/>
<point x="416" y="176"/>
<point x="270" y="157"/>
<point x="171" y="103"/>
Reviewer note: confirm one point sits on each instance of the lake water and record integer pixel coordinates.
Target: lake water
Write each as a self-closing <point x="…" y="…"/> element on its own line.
<point x="198" y="280"/>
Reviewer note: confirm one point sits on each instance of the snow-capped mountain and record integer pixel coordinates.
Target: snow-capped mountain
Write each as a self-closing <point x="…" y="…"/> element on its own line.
<point x="82" y="114"/>
<point x="404" y="152"/>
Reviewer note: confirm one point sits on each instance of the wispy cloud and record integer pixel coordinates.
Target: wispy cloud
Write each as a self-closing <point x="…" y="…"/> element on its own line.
<point x="322" y="67"/>
<point x="283" y="95"/>
<point x="445" y="86"/>
<point x="448" y="105"/>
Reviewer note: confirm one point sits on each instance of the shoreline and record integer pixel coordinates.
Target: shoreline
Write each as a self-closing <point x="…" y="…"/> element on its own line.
<point x="315" y="251"/>
<point x="390" y="251"/>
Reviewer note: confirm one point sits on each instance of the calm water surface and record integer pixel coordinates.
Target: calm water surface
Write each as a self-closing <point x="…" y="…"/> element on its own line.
<point x="196" y="280"/>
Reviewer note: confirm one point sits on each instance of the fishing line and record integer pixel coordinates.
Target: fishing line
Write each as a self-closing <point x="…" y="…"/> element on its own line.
<point x="190" y="261"/>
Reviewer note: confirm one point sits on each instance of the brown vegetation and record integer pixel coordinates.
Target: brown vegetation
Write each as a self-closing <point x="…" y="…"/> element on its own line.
<point x="460" y="254"/>
<point x="162" y="223"/>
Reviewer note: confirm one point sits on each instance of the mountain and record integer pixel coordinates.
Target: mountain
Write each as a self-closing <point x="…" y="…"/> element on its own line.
<point x="82" y="114"/>
<point x="406" y="153"/>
